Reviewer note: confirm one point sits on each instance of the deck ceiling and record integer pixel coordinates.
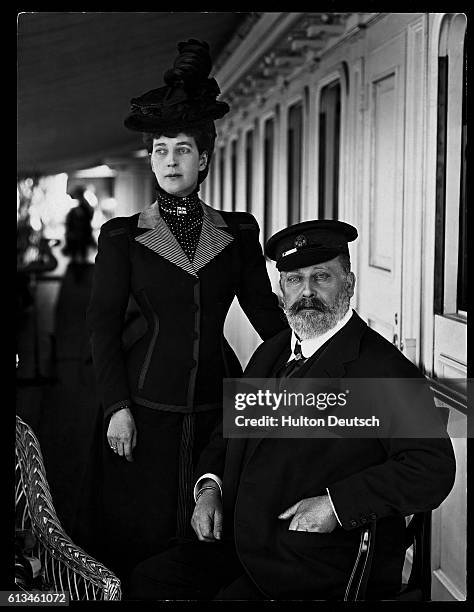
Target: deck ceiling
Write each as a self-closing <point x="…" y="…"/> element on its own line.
<point x="78" y="71"/>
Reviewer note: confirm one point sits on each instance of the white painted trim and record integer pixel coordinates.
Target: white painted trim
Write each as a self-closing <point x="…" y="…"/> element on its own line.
<point x="355" y="160"/>
<point x="429" y="202"/>
<point x="436" y="29"/>
<point x="261" y="39"/>
<point x="453" y="161"/>
<point x="447" y="585"/>
<point x="415" y="97"/>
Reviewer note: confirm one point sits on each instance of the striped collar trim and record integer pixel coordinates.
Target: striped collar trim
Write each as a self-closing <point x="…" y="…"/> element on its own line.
<point x="160" y="239"/>
<point x="149" y="217"/>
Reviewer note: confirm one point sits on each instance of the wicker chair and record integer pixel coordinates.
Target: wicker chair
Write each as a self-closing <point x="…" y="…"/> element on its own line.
<point x="64" y="566"/>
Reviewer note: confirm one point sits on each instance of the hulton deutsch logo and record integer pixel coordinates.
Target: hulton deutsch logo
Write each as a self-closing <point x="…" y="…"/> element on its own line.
<point x="381" y="408"/>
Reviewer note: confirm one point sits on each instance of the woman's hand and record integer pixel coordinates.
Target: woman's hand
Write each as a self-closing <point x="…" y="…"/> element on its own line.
<point x="122" y="433"/>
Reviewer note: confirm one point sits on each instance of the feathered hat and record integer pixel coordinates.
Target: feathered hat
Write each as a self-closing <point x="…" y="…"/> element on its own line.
<point x="188" y="98"/>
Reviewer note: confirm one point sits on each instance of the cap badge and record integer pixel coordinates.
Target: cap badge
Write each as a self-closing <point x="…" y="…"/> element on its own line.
<point x="300" y="241"/>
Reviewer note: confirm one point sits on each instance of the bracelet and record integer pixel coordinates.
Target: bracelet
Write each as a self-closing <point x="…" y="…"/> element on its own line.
<point x="201" y="491"/>
<point x="124" y="403"/>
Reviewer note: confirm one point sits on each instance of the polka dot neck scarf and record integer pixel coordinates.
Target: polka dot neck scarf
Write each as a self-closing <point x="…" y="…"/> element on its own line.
<point x="184" y="218"/>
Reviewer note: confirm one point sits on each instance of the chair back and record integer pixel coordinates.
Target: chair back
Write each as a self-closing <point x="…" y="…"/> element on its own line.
<point x="64" y="566"/>
<point x="418" y="536"/>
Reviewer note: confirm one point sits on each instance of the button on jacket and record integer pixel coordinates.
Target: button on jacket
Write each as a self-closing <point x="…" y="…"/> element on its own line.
<point x="179" y="361"/>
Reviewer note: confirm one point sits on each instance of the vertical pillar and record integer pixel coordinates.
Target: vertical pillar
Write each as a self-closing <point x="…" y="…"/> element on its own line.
<point x="133" y="185"/>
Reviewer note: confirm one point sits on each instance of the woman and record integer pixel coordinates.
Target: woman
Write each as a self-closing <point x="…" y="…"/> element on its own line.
<point x="183" y="262"/>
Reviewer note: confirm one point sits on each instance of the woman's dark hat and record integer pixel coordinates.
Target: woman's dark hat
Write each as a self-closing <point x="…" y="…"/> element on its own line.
<point x="188" y="98"/>
<point x="309" y="243"/>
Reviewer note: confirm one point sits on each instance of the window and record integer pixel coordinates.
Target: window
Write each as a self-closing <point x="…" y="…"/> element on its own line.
<point x="268" y="146"/>
<point x="294" y="154"/>
<point x="441" y="182"/>
<point x="329" y="130"/>
<point x="450" y="282"/>
<point x="233" y="169"/>
<point x="248" y="170"/>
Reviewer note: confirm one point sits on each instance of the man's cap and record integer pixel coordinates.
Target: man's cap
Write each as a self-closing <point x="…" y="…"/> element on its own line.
<point x="188" y="97"/>
<point x="309" y="243"/>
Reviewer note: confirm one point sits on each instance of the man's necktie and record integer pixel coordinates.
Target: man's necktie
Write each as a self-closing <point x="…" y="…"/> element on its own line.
<point x="292" y="367"/>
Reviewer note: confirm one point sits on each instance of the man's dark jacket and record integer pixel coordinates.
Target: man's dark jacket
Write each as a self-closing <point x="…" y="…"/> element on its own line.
<point x="369" y="479"/>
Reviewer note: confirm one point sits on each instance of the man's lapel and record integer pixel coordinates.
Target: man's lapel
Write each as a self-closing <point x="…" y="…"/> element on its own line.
<point x="342" y="348"/>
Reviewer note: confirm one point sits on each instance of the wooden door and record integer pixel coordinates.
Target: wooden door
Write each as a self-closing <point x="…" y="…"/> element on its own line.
<point x="380" y="269"/>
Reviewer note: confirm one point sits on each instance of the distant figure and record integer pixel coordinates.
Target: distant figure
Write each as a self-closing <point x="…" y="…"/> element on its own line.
<point x="79" y="236"/>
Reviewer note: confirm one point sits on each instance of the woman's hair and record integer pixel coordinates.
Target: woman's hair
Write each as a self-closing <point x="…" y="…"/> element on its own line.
<point x="203" y="133"/>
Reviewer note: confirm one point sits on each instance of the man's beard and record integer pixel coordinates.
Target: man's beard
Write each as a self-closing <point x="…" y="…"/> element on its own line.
<point x="311" y="323"/>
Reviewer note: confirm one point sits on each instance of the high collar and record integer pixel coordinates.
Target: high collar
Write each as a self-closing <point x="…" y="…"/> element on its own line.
<point x="150" y="217"/>
<point x="170" y="203"/>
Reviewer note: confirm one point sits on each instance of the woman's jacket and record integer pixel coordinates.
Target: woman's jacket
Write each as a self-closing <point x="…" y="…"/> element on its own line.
<point x="178" y="361"/>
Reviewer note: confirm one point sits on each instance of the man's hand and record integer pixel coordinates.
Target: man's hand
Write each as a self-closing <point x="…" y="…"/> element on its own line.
<point x="207" y="516"/>
<point x="311" y="514"/>
<point x="122" y="433"/>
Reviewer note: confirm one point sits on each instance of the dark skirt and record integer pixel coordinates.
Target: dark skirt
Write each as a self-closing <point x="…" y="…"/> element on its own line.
<point x="148" y="502"/>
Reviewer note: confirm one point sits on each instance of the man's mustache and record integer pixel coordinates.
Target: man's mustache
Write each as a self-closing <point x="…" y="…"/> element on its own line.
<point x="314" y="303"/>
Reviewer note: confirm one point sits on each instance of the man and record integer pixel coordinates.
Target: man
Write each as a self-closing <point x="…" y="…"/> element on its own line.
<point x="282" y="518"/>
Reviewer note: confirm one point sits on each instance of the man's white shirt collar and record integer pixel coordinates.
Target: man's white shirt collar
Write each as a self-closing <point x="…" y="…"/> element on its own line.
<point x="310" y="346"/>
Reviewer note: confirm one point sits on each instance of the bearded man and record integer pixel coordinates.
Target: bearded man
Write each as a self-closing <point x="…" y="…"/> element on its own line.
<point x="281" y="518"/>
